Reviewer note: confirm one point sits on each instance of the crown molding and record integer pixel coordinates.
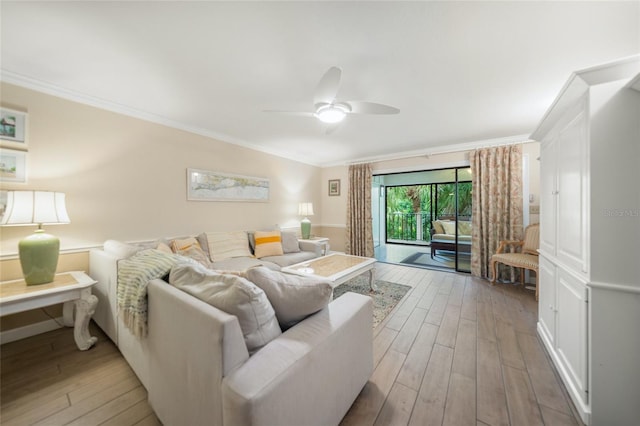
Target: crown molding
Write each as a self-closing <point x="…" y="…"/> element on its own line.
<point x="10" y="77"/>
<point x="580" y="82"/>
<point x="71" y="95"/>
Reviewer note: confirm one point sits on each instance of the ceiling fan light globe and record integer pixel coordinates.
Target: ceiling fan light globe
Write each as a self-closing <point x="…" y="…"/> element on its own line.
<point x="331" y="114"/>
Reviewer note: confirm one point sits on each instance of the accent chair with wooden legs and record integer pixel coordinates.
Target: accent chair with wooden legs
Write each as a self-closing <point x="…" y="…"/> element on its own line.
<point x="526" y="258"/>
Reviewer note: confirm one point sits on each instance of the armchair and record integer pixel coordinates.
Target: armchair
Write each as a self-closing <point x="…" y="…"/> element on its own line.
<point x="527" y="258"/>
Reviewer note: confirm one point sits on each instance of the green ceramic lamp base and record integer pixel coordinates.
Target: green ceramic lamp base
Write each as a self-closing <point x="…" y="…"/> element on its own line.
<point x="305" y="228"/>
<point x="39" y="257"/>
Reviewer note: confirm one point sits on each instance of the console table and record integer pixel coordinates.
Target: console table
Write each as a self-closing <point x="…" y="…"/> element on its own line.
<point x="71" y="288"/>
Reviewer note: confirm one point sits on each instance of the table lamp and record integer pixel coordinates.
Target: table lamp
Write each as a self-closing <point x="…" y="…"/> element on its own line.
<point x="305" y="209"/>
<point x="38" y="252"/>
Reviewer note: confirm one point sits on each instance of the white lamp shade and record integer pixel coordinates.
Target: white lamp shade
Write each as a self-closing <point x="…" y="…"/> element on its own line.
<point x="35" y="208"/>
<point x="305" y="209"/>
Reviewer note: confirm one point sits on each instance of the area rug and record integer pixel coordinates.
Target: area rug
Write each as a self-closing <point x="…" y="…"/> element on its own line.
<point x="384" y="299"/>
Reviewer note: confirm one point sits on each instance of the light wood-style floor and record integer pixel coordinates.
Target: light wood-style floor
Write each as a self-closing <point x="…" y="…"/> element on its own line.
<point x="455" y="351"/>
<point x="46" y="380"/>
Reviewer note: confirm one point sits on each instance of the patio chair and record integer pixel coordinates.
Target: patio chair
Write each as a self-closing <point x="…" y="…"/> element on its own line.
<point x="526" y="258"/>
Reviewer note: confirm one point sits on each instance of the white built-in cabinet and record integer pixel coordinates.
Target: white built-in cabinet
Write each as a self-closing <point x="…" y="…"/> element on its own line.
<point x="589" y="272"/>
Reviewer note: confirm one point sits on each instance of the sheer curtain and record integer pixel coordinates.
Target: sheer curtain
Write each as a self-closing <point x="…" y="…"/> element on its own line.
<point x="497" y="203"/>
<point x="359" y="220"/>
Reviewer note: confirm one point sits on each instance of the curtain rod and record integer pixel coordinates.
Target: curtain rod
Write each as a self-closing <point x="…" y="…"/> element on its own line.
<point x="489" y="143"/>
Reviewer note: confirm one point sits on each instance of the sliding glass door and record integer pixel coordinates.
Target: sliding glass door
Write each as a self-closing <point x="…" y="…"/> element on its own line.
<point x="430" y="211"/>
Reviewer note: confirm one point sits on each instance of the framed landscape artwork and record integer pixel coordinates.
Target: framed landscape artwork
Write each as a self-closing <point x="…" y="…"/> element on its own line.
<point x="334" y="187"/>
<point x="13" y="165"/>
<point x="13" y="125"/>
<point x="204" y="185"/>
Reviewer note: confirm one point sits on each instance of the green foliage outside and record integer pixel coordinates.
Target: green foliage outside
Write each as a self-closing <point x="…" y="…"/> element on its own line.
<point x="403" y="202"/>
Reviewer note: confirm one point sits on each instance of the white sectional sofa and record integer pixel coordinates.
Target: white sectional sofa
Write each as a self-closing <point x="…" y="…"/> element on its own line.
<point x="197" y="369"/>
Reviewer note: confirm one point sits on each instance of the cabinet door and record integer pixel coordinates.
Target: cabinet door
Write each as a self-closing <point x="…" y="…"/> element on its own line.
<point x="547" y="299"/>
<point x="548" y="197"/>
<point x="571" y="330"/>
<point x="571" y="207"/>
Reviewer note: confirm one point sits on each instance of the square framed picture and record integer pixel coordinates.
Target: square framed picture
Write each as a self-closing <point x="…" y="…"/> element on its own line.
<point x="334" y="187"/>
<point x="13" y="129"/>
<point x="13" y="166"/>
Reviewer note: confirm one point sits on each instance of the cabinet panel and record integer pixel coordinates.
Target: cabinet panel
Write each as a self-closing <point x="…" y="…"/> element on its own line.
<point x="571" y="210"/>
<point x="571" y="329"/>
<point x="548" y="197"/>
<point x="547" y="298"/>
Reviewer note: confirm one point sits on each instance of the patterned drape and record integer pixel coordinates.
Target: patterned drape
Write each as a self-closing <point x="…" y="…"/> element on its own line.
<point x="497" y="203"/>
<point x="359" y="220"/>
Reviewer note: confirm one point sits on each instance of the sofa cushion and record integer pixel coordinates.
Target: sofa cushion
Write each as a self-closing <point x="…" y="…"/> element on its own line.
<point x="242" y="264"/>
<point x="293" y="297"/>
<point x="290" y="242"/>
<point x="290" y="258"/>
<point x="233" y="295"/>
<point x="268" y="243"/>
<point x="226" y="245"/>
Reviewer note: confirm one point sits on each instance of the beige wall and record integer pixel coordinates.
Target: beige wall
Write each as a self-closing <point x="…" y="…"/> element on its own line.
<point x="125" y="178"/>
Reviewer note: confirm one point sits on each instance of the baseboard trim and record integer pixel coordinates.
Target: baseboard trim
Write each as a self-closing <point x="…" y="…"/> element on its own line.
<point x="615" y="287"/>
<point x="20" y="333"/>
<point x="584" y="409"/>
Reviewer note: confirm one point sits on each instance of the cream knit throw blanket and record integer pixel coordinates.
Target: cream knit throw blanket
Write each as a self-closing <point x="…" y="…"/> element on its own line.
<point x="134" y="274"/>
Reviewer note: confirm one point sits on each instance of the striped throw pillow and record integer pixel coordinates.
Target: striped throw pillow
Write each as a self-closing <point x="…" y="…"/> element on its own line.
<point x="225" y="245"/>
<point x="268" y="244"/>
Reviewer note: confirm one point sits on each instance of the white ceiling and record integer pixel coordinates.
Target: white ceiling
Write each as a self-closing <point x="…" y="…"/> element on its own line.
<point x="460" y="72"/>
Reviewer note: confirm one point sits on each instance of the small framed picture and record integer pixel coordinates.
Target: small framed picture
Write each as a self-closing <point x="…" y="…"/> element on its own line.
<point x="13" y="166"/>
<point x="334" y="187"/>
<point x="13" y="129"/>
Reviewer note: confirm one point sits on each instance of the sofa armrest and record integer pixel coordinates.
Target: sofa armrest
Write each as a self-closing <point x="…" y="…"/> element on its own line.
<point x="311" y="374"/>
<point x="311" y="246"/>
<point x="192" y="345"/>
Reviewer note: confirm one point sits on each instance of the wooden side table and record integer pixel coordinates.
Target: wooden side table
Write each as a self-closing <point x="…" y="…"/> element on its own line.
<point x="71" y="288"/>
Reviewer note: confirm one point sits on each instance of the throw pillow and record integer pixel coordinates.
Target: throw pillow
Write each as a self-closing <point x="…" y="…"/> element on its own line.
<point x="225" y="245"/>
<point x="293" y="297"/>
<point x="164" y="248"/>
<point x="449" y="227"/>
<point x="189" y="247"/>
<point x="464" y="227"/>
<point x="233" y="295"/>
<point x="268" y="244"/>
<point x="437" y="226"/>
<point x="290" y="242"/>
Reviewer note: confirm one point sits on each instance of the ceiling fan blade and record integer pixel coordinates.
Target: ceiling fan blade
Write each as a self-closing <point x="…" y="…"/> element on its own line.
<point x="298" y="113"/>
<point x="328" y="86"/>
<point x="362" y="107"/>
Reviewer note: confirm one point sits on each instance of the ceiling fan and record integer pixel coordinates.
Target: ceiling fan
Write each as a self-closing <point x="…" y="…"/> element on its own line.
<point x="330" y="110"/>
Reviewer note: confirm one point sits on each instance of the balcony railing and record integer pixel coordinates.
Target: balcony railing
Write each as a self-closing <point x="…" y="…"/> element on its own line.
<point x="409" y="227"/>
